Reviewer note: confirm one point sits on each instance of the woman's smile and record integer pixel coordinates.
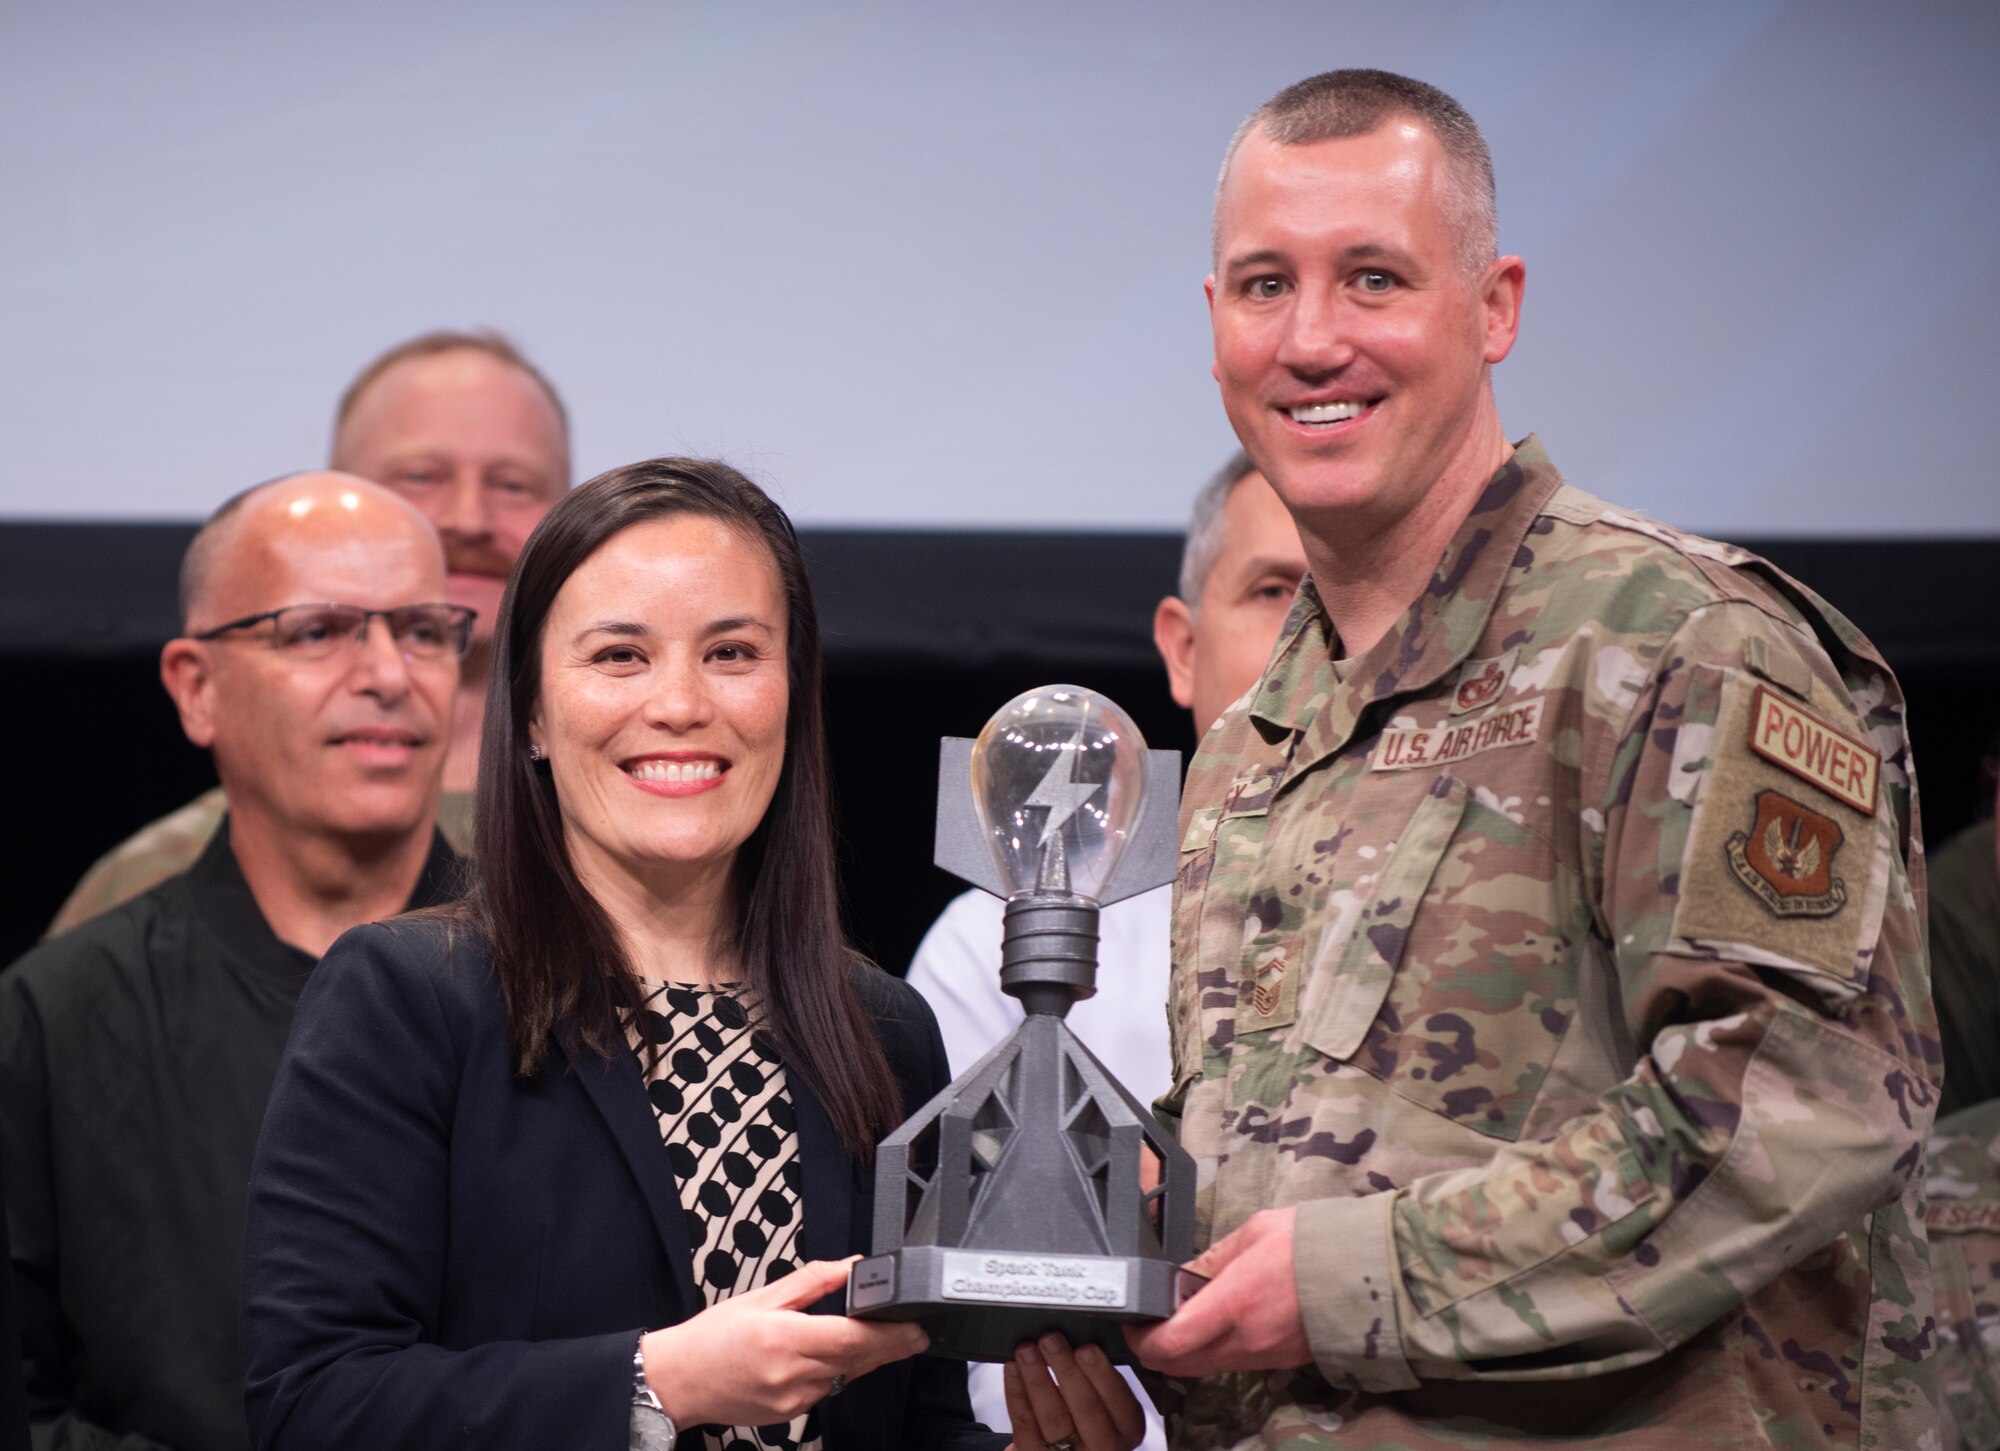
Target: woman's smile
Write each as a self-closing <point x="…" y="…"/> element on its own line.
<point x="676" y="773"/>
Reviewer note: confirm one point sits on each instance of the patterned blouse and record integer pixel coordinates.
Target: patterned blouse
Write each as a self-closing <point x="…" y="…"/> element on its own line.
<point x="726" y="1117"/>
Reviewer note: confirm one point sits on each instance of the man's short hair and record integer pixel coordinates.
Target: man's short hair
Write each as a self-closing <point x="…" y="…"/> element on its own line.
<point x="447" y="340"/>
<point x="1204" y="533"/>
<point x="1355" y="102"/>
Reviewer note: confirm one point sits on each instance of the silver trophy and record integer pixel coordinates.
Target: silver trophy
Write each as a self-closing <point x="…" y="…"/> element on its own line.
<point x="1035" y="1193"/>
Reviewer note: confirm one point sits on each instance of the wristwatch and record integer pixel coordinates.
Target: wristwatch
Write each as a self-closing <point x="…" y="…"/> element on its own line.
<point x="652" y="1427"/>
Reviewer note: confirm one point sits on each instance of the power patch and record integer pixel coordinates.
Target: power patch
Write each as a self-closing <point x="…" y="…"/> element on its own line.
<point x="1814" y="751"/>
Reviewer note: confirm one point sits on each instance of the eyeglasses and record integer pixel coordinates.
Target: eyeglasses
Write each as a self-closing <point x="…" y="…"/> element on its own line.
<point x="318" y="632"/>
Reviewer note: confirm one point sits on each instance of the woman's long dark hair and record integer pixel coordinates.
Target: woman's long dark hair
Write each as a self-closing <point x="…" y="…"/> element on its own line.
<point x="561" y="965"/>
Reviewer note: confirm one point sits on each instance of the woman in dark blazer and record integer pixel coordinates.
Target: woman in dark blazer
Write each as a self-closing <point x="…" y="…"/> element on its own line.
<point x="578" y="1164"/>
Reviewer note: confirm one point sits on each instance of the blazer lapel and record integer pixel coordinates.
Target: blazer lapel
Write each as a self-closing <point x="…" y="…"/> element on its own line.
<point x="828" y="1177"/>
<point x="619" y="1093"/>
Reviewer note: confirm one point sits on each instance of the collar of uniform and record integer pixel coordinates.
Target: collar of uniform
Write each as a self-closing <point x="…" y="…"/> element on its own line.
<point x="1301" y="673"/>
<point x="1433" y="636"/>
<point x="225" y="898"/>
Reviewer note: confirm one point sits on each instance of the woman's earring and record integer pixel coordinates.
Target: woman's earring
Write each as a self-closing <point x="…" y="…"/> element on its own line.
<point x="534" y="751"/>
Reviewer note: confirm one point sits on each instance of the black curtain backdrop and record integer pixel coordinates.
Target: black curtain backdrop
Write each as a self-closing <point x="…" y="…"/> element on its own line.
<point x="927" y="634"/>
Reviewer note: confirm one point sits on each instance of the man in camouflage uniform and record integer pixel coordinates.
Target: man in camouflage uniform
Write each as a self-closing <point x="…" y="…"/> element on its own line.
<point x="1552" y="1028"/>
<point x="1964" y="1223"/>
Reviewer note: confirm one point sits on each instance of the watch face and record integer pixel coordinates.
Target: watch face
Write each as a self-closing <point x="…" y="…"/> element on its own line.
<point x="651" y="1430"/>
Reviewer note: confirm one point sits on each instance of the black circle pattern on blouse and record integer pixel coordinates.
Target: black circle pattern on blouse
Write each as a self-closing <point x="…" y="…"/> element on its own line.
<point x="726" y="1118"/>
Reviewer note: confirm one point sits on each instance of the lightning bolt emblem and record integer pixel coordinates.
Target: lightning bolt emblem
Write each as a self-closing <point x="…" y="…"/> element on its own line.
<point x="1060" y="791"/>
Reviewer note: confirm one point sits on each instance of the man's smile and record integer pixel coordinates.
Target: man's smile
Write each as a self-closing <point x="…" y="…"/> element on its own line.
<point x="381" y="745"/>
<point x="1321" y="414"/>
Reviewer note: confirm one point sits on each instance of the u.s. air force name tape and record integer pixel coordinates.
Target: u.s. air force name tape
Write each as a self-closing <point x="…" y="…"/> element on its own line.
<point x="1409" y="747"/>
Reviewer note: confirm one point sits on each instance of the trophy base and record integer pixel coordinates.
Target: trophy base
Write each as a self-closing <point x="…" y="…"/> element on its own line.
<point x="980" y="1304"/>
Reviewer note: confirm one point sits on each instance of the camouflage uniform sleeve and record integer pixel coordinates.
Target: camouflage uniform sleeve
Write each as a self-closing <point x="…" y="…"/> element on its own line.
<point x="1762" y="934"/>
<point x="158" y="850"/>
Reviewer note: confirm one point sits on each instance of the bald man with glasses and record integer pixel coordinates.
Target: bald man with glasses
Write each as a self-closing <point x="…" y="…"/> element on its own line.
<point x="470" y="431"/>
<point x="318" y="661"/>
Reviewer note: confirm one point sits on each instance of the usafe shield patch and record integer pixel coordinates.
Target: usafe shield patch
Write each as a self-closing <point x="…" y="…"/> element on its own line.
<point x="1786" y="858"/>
<point x="1814" y="751"/>
<point x="1770" y="868"/>
<point x="1409" y="747"/>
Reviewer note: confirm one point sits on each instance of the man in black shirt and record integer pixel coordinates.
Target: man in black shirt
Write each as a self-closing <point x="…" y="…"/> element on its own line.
<point x="318" y="663"/>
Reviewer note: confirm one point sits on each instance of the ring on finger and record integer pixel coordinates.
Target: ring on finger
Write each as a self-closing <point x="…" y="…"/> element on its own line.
<point x="840" y="1384"/>
<point x="1061" y="1443"/>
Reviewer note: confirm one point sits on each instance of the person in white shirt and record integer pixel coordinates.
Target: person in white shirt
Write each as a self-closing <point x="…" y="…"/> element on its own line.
<point x="1239" y="570"/>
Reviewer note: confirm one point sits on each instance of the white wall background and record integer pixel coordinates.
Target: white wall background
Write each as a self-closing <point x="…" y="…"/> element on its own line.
<point x="940" y="263"/>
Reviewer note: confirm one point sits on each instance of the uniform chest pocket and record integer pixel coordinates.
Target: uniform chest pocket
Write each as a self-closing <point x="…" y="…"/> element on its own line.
<point x="1354" y="968"/>
<point x="1456" y="983"/>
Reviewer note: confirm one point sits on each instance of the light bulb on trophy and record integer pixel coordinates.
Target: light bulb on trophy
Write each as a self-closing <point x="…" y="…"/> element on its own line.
<point x="1035" y="1193"/>
<point x="1057" y="779"/>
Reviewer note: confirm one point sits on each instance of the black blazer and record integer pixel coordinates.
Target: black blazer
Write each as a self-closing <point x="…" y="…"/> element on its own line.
<point x="443" y="1253"/>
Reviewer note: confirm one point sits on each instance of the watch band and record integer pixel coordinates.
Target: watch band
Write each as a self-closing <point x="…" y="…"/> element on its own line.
<point x="646" y="1407"/>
